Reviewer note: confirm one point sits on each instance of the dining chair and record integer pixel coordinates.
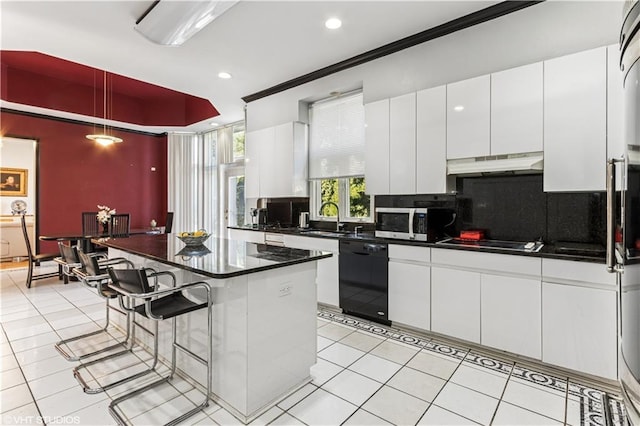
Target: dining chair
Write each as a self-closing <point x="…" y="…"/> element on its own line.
<point x="35" y="259"/>
<point x="119" y="225"/>
<point x="90" y="225"/>
<point x="168" y="223"/>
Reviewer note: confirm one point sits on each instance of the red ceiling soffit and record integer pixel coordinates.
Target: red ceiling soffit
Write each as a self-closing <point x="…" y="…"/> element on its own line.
<point x="36" y="79"/>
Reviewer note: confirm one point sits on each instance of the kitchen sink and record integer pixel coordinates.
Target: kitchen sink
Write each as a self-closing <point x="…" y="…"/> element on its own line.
<point x="324" y="233"/>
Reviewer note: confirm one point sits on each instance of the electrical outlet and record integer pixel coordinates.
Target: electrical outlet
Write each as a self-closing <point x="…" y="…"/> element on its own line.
<point x="285" y="290"/>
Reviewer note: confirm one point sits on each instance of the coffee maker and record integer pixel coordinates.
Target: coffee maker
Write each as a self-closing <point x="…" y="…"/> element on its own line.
<point x="258" y="217"/>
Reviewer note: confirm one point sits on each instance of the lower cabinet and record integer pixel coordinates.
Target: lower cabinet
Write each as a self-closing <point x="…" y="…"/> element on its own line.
<point x="410" y="286"/>
<point x="246" y="235"/>
<point x="579" y="328"/>
<point x="327" y="278"/>
<point x="510" y="314"/>
<point x="455" y="303"/>
<point x="579" y="317"/>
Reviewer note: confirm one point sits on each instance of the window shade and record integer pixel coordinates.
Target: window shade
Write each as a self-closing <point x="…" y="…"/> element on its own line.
<point x="336" y="138"/>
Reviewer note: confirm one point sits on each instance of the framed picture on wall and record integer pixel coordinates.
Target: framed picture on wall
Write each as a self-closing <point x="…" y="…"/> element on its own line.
<point x="13" y="182"/>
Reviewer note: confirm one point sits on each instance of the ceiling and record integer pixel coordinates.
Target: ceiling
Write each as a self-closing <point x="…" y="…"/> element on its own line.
<point x="261" y="43"/>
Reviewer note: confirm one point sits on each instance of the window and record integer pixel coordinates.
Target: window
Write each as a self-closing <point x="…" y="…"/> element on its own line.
<point x="347" y="193"/>
<point x="336" y="159"/>
<point x="238" y="142"/>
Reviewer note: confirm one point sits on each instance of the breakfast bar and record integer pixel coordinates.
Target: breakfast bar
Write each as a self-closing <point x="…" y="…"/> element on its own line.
<point x="264" y="314"/>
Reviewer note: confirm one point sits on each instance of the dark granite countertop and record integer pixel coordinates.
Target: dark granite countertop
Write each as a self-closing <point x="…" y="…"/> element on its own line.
<point x="217" y="258"/>
<point x="548" y="251"/>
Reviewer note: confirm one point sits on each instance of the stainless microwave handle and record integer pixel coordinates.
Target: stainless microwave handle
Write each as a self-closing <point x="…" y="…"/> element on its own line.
<point x="611" y="215"/>
<point x="412" y="212"/>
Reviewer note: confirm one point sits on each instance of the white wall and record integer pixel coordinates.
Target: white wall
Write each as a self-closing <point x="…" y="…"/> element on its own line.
<point x="19" y="154"/>
<point x="543" y="31"/>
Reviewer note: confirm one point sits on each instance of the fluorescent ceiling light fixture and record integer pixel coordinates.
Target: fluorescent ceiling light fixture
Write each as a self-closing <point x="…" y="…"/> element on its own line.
<point x="171" y="23"/>
<point x="212" y="124"/>
<point x="458" y="108"/>
<point x="333" y="23"/>
<point x="224" y="75"/>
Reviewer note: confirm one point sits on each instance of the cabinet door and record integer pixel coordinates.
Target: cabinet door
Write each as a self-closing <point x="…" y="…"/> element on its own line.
<point x="455" y="303"/>
<point x="279" y="168"/>
<point x="511" y="310"/>
<point x="431" y="141"/>
<point x="246" y="235"/>
<point x="402" y="144"/>
<point x="409" y="294"/>
<point x="615" y="111"/>
<point x="575" y="121"/>
<point x="252" y="158"/>
<point x="468" y="118"/>
<point x="579" y="329"/>
<point x="376" y="169"/>
<point x="327" y="280"/>
<point x="516" y="110"/>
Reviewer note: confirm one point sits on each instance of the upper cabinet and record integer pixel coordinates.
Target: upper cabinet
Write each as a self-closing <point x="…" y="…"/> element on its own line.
<point x="376" y="171"/>
<point x="402" y="144"/>
<point x="575" y="121"/>
<point x="516" y="110"/>
<point x="468" y="118"/>
<point x="276" y="161"/>
<point x="431" y="141"/>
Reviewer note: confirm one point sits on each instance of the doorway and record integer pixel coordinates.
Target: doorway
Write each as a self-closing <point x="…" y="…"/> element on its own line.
<point x="232" y="196"/>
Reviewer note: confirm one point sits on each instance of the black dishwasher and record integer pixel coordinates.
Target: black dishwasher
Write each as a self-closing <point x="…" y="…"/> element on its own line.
<point x="363" y="280"/>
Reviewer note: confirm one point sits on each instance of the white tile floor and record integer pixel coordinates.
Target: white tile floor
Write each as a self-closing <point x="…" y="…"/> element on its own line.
<point x="366" y="374"/>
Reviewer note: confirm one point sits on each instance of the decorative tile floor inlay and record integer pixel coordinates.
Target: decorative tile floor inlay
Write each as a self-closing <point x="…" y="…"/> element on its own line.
<point x="589" y="400"/>
<point x="366" y="374"/>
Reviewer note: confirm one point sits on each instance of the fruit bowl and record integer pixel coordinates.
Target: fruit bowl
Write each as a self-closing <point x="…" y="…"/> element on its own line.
<point x="194" y="238"/>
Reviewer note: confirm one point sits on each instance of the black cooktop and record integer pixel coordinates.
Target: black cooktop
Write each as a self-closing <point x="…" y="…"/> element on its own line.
<point x="523" y="246"/>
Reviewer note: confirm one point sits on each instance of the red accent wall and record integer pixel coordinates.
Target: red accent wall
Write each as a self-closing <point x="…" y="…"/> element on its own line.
<point x="76" y="174"/>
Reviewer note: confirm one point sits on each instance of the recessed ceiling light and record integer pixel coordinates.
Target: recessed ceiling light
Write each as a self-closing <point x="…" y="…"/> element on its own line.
<point x="458" y="108"/>
<point x="224" y="75"/>
<point x="212" y="124"/>
<point x="333" y="23"/>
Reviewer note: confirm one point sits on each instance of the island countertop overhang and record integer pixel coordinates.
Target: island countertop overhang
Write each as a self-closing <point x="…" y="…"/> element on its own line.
<point x="219" y="258"/>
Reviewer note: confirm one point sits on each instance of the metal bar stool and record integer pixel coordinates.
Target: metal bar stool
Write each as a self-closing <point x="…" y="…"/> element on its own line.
<point x="91" y="270"/>
<point x="68" y="260"/>
<point x="162" y="304"/>
<point x="105" y="291"/>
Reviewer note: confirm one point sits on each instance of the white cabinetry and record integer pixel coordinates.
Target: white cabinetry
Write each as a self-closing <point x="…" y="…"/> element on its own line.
<point x="11" y="238"/>
<point x="276" y="161"/>
<point x="246" y="235"/>
<point x="510" y="314"/>
<point x="468" y="118"/>
<point x="579" y="317"/>
<point x="431" y="141"/>
<point x="575" y="121"/>
<point x="255" y="143"/>
<point x="455" y="307"/>
<point x="327" y="270"/>
<point x="487" y="298"/>
<point x="376" y="169"/>
<point x="410" y="286"/>
<point x="402" y="144"/>
<point x="516" y="110"/>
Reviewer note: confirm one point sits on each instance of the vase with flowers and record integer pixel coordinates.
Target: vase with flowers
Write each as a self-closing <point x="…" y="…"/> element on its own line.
<point x="104" y="215"/>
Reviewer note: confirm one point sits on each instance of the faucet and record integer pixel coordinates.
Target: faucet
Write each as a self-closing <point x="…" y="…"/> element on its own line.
<point x="331" y="203"/>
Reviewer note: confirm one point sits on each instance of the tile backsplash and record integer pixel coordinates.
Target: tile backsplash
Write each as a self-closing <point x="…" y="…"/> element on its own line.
<point x="516" y="208"/>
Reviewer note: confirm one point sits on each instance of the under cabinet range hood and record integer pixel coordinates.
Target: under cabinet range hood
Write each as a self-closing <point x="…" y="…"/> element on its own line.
<point x="531" y="162"/>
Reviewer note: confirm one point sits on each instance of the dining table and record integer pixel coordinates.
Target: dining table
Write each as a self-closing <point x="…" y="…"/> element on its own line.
<point x="84" y="240"/>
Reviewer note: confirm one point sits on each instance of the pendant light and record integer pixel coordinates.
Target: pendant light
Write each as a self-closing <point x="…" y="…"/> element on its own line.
<point x="104" y="139"/>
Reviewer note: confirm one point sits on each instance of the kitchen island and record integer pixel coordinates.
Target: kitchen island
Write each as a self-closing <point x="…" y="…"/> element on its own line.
<point x="264" y="315"/>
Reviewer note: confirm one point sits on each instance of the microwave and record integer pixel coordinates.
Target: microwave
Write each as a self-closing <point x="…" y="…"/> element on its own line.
<point x="407" y="223"/>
